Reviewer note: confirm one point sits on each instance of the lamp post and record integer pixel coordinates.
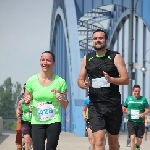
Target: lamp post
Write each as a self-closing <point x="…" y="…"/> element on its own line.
<point x="130" y="52"/>
<point x="144" y="69"/>
<point x="87" y="36"/>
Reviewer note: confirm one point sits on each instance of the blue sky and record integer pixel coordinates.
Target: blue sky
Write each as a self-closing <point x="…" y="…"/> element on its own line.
<point x="24" y="35"/>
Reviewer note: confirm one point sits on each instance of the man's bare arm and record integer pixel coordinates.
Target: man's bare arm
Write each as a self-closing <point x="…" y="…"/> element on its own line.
<point x="19" y="109"/>
<point x="142" y="115"/>
<point x="84" y="112"/>
<point x="120" y="64"/>
<point x="82" y="74"/>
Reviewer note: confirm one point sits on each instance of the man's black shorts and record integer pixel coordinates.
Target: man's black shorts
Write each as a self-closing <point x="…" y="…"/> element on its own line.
<point x="136" y="129"/>
<point x="102" y="117"/>
<point x="26" y="128"/>
<point x="88" y="124"/>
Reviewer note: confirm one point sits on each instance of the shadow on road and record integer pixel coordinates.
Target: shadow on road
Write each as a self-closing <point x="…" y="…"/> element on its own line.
<point x="5" y="135"/>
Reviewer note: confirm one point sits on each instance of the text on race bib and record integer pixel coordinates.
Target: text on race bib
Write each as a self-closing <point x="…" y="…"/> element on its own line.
<point x="27" y="114"/>
<point x="135" y="114"/>
<point x="45" y="111"/>
<point x="100" y="82"/>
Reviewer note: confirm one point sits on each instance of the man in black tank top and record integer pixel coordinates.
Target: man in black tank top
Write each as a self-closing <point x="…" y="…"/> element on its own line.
<point x="106" y="70"/>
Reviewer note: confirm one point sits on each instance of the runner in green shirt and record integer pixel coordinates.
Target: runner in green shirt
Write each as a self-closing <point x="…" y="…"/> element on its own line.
<point x="26" y="127"/>
<point x="49" y="94"/>
<point x="137" y="107"/>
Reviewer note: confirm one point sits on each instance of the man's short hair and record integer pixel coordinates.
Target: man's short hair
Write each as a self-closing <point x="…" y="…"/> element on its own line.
<point x="136" y="86"/>
<point x="102" y="30"/>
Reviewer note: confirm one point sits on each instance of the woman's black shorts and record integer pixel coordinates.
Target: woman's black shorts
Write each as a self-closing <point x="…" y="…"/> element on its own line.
<point x="26" y="128"/>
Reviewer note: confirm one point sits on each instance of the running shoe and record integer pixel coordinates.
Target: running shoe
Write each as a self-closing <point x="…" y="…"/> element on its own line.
<point x="19" y="147"/>
<point x="23" y="146"/>
<point x="128" y="145"/>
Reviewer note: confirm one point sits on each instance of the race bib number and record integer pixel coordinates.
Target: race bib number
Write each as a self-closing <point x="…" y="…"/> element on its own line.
<point x="27" y="114"/>
<point x="135" y="114"/>
<point x="100" y="82"/>
<point x="45" y="111"/>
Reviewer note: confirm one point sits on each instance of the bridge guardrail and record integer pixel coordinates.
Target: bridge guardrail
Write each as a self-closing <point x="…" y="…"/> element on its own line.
<point x="9" y="124"/>
<point x="1" y="125"/>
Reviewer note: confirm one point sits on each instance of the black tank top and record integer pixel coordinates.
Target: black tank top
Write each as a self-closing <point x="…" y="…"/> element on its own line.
<point x="105" y="96"/>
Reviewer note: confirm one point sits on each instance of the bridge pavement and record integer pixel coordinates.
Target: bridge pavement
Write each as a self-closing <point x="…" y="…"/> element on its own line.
<point x="67" y="142"/>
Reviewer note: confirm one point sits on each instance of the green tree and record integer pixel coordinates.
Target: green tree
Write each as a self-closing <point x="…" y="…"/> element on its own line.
<point x="16" y="90"/>
<point x="8" y="96"/>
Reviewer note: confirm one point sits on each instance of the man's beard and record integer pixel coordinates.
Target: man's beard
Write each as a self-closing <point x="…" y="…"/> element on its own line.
<point x="99" y="48"/>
